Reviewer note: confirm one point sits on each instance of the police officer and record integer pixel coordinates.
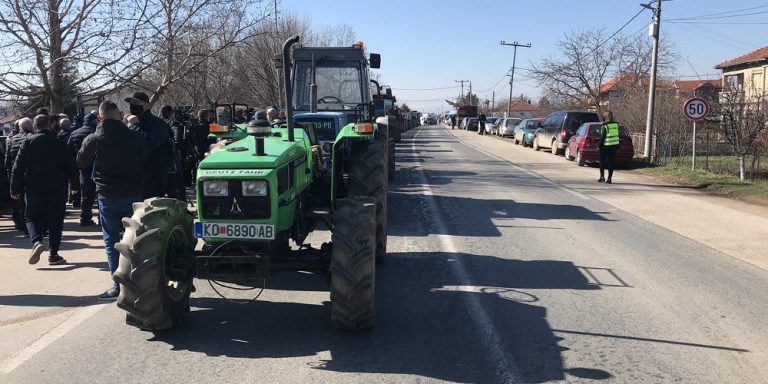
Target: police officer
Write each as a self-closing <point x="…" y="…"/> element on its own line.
<point x="609" y="144"/>
<point x="481" y="124"/>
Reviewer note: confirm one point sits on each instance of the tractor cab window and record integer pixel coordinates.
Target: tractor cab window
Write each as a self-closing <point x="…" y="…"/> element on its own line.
<point x="338" y="84"/>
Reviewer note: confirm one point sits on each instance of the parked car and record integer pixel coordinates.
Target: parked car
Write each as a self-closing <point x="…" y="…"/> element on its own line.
<point x="524" y="127"/>
<point x="490" y="125"/>
<point x="583" y="146"/>
<point x="507" y="126"/>
<point x="471" y="124"/>
<point x="558" y="128"/>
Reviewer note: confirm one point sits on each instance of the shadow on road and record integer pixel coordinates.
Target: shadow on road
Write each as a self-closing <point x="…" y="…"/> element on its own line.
<point x="35" y="300"/>
<point x="424" y="325"/>
<point x="468" y="216"/>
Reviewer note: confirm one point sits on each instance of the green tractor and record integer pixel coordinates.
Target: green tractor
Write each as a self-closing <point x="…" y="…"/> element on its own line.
<point x="258" y="193"/>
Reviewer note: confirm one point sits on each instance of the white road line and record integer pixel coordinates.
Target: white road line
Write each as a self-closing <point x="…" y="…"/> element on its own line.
<point x="506" y="369"/>
<point x="50" y="338"/>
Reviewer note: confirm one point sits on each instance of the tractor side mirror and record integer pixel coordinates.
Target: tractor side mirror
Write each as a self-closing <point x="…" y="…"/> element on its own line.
<point x="278" y="61"/>
<point x="375" y="60"/>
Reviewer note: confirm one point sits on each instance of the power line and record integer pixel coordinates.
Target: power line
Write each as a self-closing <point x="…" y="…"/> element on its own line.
<point x="716" y="23"/>
<point x="721" y="17"/>
<point x="725" y="14"/>
<point x="716" y="38"/>
<point x="424" y="89"/>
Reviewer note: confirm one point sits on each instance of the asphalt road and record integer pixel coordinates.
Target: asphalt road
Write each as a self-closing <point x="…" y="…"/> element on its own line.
<point x="494" y="275"/>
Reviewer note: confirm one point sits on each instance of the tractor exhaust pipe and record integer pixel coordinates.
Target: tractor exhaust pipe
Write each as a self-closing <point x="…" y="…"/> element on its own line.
<point x="287" y="84"/>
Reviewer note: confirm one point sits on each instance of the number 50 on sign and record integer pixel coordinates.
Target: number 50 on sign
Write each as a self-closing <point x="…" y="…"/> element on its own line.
<point x="696" y="109"/>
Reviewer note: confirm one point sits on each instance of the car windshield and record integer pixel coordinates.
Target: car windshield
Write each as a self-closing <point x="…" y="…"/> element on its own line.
<point x="532" y="124"/>
<point x="338" y="84"/>
<point x="512" y="122"/>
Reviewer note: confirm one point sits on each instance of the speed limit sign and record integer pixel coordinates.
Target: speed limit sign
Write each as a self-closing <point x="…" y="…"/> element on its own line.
<point x="696" y="109"/>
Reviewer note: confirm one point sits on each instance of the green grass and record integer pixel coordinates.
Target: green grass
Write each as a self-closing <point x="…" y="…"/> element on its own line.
<point x="679" y="171"/>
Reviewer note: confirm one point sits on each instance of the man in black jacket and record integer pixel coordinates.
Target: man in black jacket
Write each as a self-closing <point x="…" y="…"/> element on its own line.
<point x="12" y="147"/>
<point x="155" y="132"/>
<point x="41" y="172"/>
<point x="87" y="187"/>
<point x="174" y="182"/>
<point x="116" y="154"/>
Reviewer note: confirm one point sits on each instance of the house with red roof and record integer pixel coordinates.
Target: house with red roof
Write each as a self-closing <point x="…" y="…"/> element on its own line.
<point x="747" y="72"/>
<point x="613" y="90"/>
<point x="523" y="110"/>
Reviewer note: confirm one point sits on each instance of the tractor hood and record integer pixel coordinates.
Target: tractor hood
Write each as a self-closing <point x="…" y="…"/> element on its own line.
<point x="240" y="154"/>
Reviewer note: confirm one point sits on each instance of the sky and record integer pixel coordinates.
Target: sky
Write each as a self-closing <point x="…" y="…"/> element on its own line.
<point x="426" y="45"/>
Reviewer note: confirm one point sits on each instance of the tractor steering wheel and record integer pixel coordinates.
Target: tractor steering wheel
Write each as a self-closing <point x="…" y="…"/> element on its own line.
<point x="333" y="99"/>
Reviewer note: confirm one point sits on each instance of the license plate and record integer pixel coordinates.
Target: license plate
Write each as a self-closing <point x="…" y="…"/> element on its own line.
<point x="235" y="231"/>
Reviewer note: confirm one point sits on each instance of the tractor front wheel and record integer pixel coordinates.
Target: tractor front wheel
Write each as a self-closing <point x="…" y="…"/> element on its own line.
<point x="154" y="272"/>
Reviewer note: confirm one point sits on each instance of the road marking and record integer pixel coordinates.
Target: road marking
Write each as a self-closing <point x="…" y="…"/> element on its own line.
<point x="524" y="170"/>
<point x="506" y="369"/>
<point x="49" y="338"/>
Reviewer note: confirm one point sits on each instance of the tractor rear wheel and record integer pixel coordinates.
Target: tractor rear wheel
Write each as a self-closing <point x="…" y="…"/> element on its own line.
<point x="154" y="273"/>
<point x="353" y="263"/>
<point x="367" y="178"/>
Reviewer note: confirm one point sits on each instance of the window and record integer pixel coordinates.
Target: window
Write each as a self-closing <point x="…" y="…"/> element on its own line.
<point x="757" y="81"/>
<point x="338" y="79"/>
<point x="734" y="82"/>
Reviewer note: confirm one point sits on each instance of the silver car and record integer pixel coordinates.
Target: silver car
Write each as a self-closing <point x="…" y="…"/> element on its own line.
<point x="490" y="124"/>
<point x="507" y="126"/>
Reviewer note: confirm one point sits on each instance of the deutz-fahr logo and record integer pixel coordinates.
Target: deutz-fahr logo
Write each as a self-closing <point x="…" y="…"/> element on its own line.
<point x="224" y="172"/>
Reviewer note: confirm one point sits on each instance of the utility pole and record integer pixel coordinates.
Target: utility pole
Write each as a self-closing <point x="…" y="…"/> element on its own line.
<point x="514" y="44"/>
<point x="461" y="99"/>
<point x="653" y="31"/>
<point x="493" y="101"/>
<point x="470" y="92"/>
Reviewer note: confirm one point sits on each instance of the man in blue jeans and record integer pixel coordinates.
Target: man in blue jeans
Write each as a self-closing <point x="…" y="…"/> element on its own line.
<point x="116" y="154"/>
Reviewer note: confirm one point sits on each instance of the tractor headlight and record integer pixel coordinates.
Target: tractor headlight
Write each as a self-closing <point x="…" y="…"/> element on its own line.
<point x="216" y="188"/>
<point x="255" y="188"/>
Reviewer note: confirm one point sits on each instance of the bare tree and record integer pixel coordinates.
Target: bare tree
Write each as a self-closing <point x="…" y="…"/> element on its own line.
<point x="744" y="117"/>
<point x="59" y="48"/>
<point x="589" y="59"/>
<point x="186" y="34"/>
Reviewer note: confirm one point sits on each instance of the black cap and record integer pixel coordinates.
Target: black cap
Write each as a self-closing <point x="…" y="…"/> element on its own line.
<point x="42" y="111"/>
<point x="260" y="115"/>
<point x="89" y="118"/>
<point x="138" y="98"/>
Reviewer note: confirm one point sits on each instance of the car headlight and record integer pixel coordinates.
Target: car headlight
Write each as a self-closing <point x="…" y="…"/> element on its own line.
<point x="255" y="188"/>
<point x="216" y="188"/>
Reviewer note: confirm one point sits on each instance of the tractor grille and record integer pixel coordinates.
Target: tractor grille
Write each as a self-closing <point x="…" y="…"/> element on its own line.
<point x="225" y="207"/>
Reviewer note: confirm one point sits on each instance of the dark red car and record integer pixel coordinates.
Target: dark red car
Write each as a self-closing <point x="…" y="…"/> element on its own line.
<point x="583" y="146"/>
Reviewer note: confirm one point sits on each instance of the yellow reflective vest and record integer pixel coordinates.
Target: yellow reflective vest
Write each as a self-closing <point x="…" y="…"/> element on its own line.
<point x="611" y="134"/>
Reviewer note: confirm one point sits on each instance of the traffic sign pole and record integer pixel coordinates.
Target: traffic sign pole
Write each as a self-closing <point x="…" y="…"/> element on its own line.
<point x="695" y="109"/>
<point x="693" y="155"/>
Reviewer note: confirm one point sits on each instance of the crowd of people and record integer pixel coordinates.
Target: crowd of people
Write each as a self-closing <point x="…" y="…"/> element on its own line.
<point x="106" y="157"/>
